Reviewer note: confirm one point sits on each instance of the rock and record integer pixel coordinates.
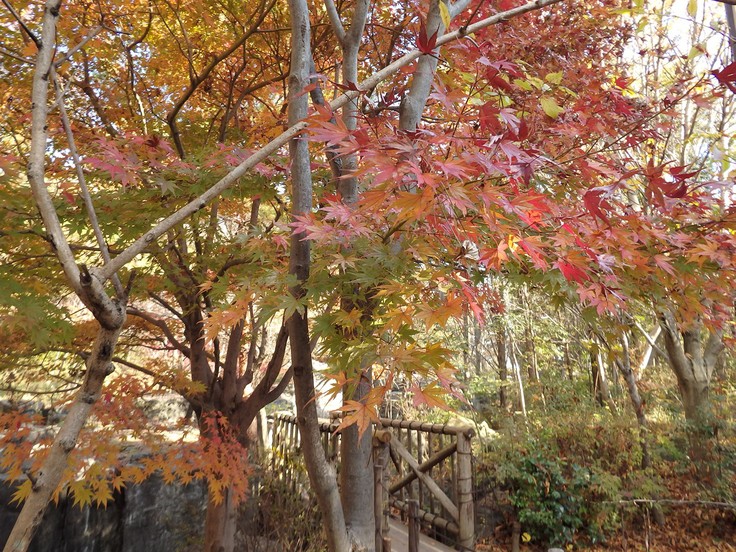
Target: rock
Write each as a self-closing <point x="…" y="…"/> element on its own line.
<point x="149" y="516"/>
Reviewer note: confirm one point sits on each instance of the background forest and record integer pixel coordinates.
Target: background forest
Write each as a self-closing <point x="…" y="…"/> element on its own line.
<point x="514" y="215"/>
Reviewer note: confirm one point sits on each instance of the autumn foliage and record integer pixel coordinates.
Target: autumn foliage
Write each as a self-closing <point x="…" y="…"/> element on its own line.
<point x="535" y="161"/>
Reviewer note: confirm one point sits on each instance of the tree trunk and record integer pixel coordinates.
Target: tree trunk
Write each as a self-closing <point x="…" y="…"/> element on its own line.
<point x="695" y="397"/>
<point x="220" y="524"/>
<point x="356" y="451"/>
<point x="595" y="376"/>
<point x="568" y="362"/>
<point x="88" y="286"/>
<point x="356" y="480"/>
<point x="624" y="367"/>
<point x="530" y="351"/>
<point x="693" y="358"/>
<point x="321" y="475"/>
<point x="519" y="382"/>
<point x="503" y="371"/>
<point x="600" y="381"/>
<point x="477" y="341"/>
<point x="56" y="464"/>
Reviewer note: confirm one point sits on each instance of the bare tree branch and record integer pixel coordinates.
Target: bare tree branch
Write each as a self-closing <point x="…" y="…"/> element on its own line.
<point x="89" y="36"/>
<point x="13" y="55"/>
<point x="22" y="23"/>
<point x="335" y="20"/>
<point x="165" y="304"/>
<point x="160" y="324"/>
<point x="197" y="79"/>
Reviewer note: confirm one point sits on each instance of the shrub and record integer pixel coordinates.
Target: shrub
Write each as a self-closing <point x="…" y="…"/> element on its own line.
<point x="555" y="499"/>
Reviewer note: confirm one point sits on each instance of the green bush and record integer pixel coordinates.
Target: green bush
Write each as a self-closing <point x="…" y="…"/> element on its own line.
<point x="555" y="499"/>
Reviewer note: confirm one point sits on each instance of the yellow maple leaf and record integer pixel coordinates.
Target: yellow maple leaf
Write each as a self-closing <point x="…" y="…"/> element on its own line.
<point x="22" y="492"/>
<point x="550" y="107"/>
<point x="445" y="15"/>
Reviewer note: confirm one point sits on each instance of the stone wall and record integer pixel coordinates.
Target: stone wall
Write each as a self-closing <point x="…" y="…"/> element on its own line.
<point x="151" y="516"/>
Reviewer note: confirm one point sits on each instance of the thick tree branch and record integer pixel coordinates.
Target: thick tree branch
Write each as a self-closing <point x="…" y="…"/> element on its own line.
<point x="37" y="156"/>
<point x="161" y="325"/>
<point x="455" y="8"/>
<point x="673" y="345"/>
<point x="230" y="366"/>
<point x="335" y="20"/>
<point x="354" y="34"/>
<point x="650" y="339"/>
<point x="278" y="390"/>
<point x="713" y="348"/>
<point x="273" y="368"/>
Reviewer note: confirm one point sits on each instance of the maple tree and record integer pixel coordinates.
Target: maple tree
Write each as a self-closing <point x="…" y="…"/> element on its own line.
<point x="464" y="151"/>
<point x="692" y="132"/>
<point x="194" y="270"/>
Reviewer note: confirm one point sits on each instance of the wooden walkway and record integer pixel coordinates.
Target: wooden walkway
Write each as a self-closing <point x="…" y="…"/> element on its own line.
<point x="399" y="534"/>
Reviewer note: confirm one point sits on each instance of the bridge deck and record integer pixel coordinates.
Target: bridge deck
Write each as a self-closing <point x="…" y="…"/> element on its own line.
<point x="399" y="534"/>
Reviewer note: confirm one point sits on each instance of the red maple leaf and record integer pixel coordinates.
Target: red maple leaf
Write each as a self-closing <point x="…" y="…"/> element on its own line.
<point x="571" y="272"/>
<point x="727" y="76"/>
<point x="593" y="202"/>
<point x="425" y="44"/>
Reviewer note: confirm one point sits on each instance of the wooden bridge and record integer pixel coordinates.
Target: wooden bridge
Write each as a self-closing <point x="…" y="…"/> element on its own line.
<point x="422" y="474"/>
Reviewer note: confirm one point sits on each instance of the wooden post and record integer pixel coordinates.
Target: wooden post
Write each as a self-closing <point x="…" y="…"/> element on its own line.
<point x="466" y="512"/>
<point x="516" y="536"/>
<point x="425" y="479"/>
<point x="413" y="525"/>
<point x="378" y="497"/>
<point x="381" y="440"/>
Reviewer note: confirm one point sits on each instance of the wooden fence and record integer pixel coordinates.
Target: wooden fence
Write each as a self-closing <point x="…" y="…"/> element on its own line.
<point x="423" y="472"/>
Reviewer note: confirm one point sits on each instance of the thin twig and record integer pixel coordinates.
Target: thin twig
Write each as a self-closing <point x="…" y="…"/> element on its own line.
<point x="20" y="21"/>
<point x="119" y="290"/>
<point x="4" y="51"/>
<point x="93" y="33"/>
<point x="674" y="502"/>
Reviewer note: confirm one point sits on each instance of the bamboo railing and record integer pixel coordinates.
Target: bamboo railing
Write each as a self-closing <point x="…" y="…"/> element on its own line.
<point x="419" y="467"/>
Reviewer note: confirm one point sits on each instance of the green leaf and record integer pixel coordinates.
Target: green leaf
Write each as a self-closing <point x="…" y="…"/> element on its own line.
<point x="550" y="107"/>
<point x="554" y="78"/>
<point x="290" y="305"/>
<point x="524" y="85"/>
